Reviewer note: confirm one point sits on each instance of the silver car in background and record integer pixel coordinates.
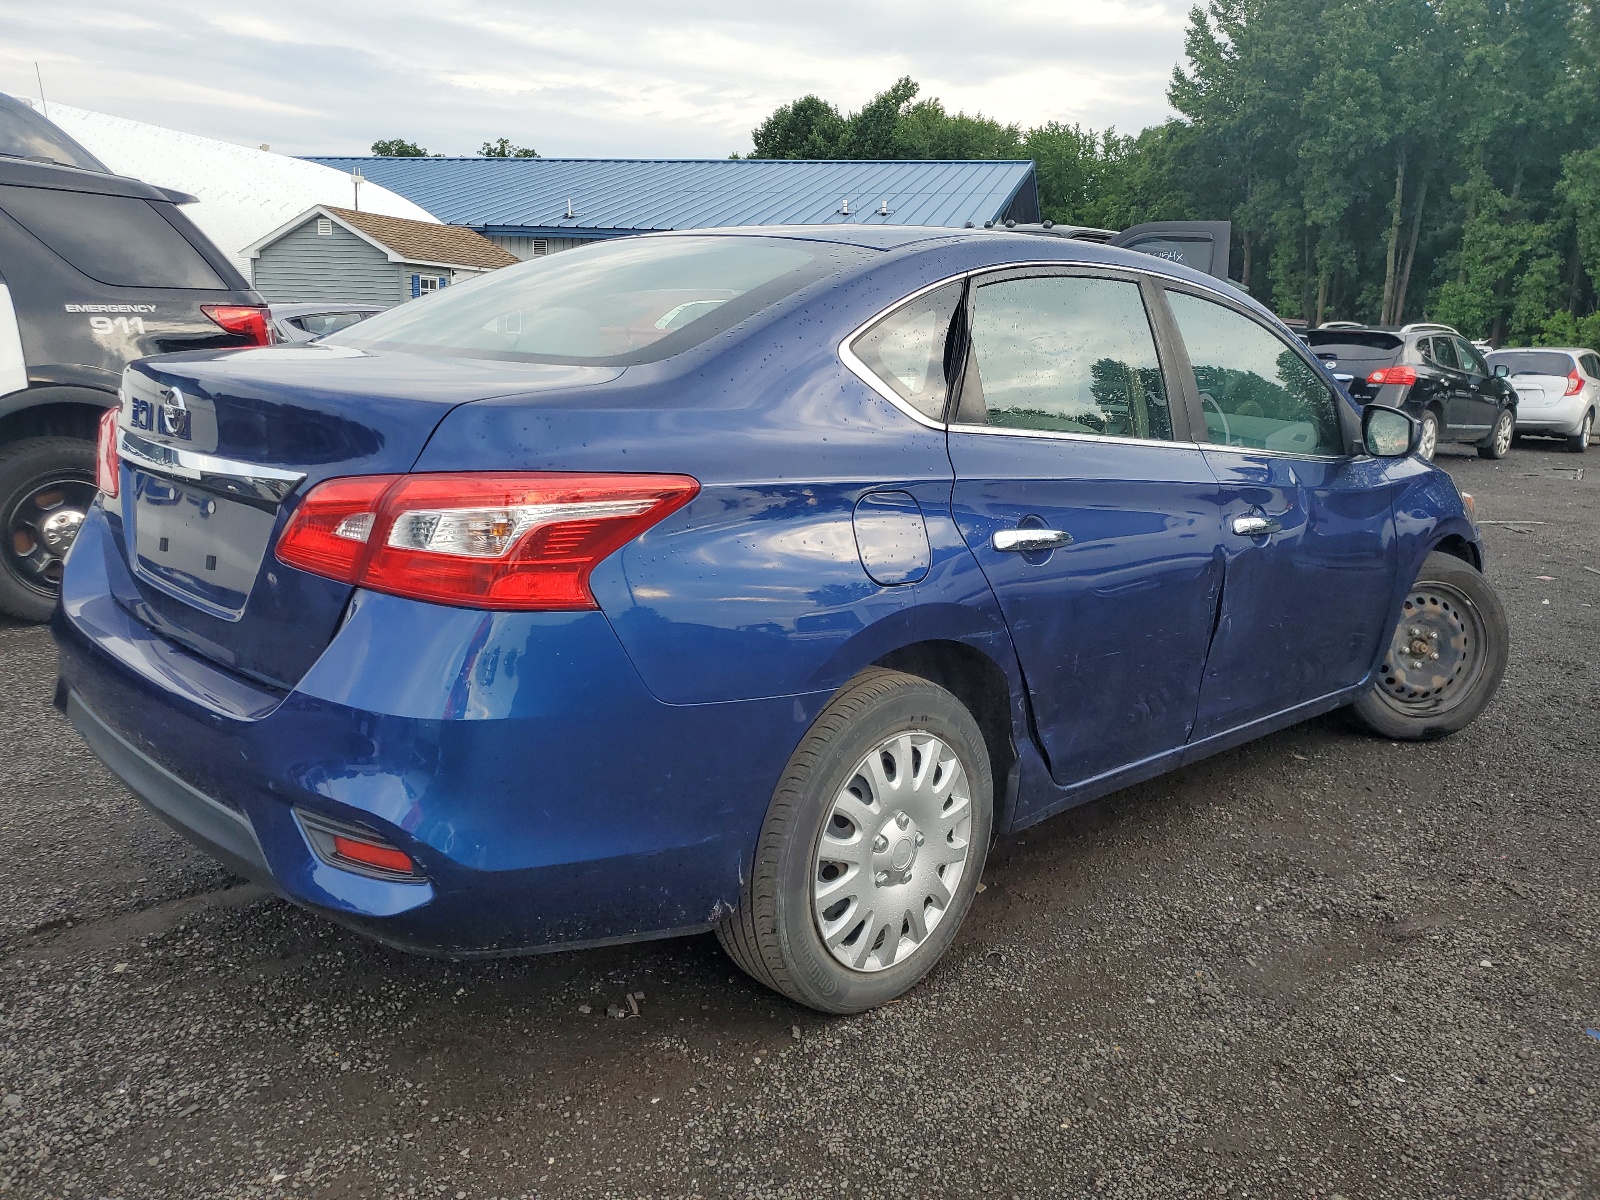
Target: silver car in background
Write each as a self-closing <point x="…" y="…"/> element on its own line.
<point x="1558" y="391"/>
<point x="303" y="322"/>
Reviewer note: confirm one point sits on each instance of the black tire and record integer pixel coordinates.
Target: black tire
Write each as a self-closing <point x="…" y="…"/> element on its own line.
<point x="1428" y="446"/>
<point x="1498" y="443"/>
<point x="774" y="935"/>
<point x="30" y="469"/>
<point x="1411" y="699"/>
<point x="1579" y="442"/>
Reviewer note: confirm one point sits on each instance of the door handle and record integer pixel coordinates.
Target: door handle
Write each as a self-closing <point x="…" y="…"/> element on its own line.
<point x="1256" y="526"/>
<point x="1025" y="540"/>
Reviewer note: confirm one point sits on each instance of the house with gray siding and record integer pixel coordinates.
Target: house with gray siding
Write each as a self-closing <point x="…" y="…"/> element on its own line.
<point x="342" y="255"/>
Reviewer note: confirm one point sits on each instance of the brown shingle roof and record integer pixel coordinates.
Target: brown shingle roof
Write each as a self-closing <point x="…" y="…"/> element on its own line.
<point x="419" y="241"/>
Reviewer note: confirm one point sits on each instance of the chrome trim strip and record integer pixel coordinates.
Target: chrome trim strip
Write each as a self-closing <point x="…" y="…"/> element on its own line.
<point x="248" y="481"/>
<point x="1278" y="453"/>
<point x="1065" y="436"/>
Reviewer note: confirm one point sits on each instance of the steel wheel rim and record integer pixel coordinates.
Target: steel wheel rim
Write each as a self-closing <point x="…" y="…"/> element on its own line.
<point x="1437" y="653"/>
<point x="892" y="852"/>
<point x="42" y="524"/>
<point x="1428" y="442"/>
<point x="1503" y="431"/>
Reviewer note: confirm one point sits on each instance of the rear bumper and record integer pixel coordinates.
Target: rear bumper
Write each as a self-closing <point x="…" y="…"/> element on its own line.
<point x="1564" y="417"/>
<point x="548" y="798"/>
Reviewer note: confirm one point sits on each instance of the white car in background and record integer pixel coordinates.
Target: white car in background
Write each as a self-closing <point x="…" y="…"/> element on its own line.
<point x="1558" y="391"/>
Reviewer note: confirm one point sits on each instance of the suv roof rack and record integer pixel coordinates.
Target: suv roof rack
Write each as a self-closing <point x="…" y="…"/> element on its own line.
<point x="1341" y="325"/>
<point x="1430" y="327"/>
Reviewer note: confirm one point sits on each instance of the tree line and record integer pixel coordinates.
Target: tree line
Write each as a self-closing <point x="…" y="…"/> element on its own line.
<point x="1381" y="160"/>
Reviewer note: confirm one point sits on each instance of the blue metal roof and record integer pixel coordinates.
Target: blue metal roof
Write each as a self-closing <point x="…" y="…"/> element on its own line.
<point x="530" y="195"/>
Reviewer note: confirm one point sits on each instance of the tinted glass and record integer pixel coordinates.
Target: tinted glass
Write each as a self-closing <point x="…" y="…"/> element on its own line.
<point x="26" y="134"/>
<point x="1255" y="390"/>
<point x="1066" y="354"/>
<point x="1591" y="366"/>
<point x="1353" y="356"/>
<point x="325" y="323"/>
<point x="118" y="240"/>
<point x="1191" y="252"/>
<point x="631" y="300"/>
<point x="1442" y="351"/>
<point x="1532" y="362"/>
<point x="906" y="349"/>
<point x="1469" y="358"/>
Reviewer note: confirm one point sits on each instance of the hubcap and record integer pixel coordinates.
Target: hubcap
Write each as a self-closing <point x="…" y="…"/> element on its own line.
<point x="892" y="852"/>
<point x="1428" y="442"/>
<point x="41" y="527"/>
<point x="1437" y="651"/>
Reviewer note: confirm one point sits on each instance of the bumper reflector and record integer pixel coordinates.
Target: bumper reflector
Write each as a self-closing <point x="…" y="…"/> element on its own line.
<point x="351" y="848"/>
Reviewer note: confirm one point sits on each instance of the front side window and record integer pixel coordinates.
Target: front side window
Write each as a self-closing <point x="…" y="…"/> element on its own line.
<point x="1065" y="354"/>
<point x="1255" y="390"/>
<point x="906" y="349"/>
<point x="618" y="303"/>
<point x="1469" y="358"/>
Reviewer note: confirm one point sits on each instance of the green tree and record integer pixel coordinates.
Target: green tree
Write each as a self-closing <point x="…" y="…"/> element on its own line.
<point x="398" y="148"/>
<point x="502" y="148"/>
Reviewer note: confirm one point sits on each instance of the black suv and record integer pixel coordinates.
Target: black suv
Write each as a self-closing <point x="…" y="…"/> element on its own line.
<point x="1430" y="371"/>
<point x="95" y="271"/>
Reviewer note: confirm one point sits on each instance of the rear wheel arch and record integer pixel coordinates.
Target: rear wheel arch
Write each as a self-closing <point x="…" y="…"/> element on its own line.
<point x="981" y="685"/>
<point x="52" y="412"/>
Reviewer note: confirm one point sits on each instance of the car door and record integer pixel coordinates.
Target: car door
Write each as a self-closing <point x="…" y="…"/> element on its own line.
<point x="1484" y="393"/>
<point x="1463" y="412"/>
<point x="1307" y="531"/>
<point x="1091" y="513"/>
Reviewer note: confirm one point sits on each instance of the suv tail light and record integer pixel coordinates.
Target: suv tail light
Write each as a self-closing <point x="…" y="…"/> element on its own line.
<point x="1400" y="375"/>
<point x="497" y="540"/>
<point x="107" y="462"/>
<point x="244" y="319"/>
<point x="1574" y="383"/>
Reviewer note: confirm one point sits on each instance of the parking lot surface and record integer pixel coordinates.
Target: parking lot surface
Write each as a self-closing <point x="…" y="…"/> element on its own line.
<point x="1323" y="964"/>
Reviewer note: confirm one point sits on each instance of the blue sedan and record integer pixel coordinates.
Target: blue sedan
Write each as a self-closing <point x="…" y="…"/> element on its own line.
<point x="745" y="580"/>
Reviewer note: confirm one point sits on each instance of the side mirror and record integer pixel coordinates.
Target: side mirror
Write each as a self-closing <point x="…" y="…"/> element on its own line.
<point x="1388" y="432"/>
<point x="1501" y="371"/>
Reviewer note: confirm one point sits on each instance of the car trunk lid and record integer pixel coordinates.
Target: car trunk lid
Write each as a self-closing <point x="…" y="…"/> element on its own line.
<point x="1352" y="355"/>
<point x="217" y="449"/>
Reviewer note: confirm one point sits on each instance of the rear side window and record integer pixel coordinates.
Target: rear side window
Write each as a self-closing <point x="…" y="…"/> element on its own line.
<point x="118" y="240"/>
<point x="1533" y="362"/>
<point x="1591" y="366"/>
<point x="1065" y="354"/>
<point x="1256" y="392"/>
<point x="906" y="350"/>
<point x="631" y="300"/>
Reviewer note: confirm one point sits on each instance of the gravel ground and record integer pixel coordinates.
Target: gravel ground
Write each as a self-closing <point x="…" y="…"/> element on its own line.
<point x="1322" y="965"/>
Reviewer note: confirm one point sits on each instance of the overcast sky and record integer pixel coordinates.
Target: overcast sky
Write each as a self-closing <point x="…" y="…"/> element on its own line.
<point x="577" y="78"/>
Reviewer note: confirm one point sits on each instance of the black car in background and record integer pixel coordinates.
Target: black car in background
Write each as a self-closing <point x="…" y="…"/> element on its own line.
<point x="95" y="270"/>
<point x="1431" y="372"/>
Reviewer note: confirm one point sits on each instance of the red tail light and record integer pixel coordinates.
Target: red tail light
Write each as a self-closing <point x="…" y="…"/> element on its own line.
<point x="247" y="320"/>
<point x="1401" y="375"/>
<point x="107" y="462"/>
<point x="497" y="540"/>
<point x="1574" y="383"/>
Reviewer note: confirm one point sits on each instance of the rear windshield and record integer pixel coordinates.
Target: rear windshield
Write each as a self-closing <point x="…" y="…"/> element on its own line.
<point x="26" y="134"/>
<point x="1354" y="352"/>
<point x="119" y="240"/>
<point x="1532" y="362"/>
<point x="616" y="303"/>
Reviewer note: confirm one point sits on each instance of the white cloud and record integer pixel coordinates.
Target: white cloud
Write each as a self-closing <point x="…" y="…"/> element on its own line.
<point x="626" y="77"/>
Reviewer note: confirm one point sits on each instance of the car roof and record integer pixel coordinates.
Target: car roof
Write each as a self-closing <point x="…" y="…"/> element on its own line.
<point x="1540" y="350"/>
